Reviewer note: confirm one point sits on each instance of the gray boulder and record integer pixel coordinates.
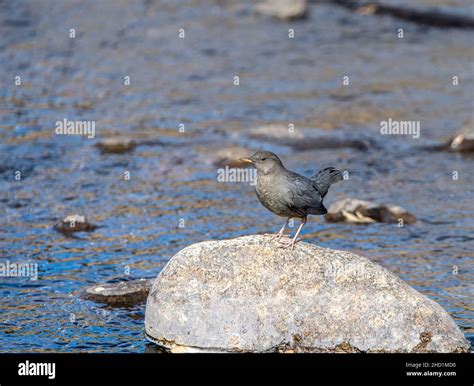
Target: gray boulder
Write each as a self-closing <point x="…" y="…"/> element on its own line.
<point x="249" y="295"/>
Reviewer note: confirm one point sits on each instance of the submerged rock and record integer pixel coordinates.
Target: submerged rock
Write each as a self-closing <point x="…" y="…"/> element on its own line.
<point x="353" y="210"/>
<point x="74" y="223"/>
<point x="309" y="138"/>
<point x="283" y="9"/>
<point x="249" y="295"/>
<point x="125" y="293"/>
<point x="430" y="16"/>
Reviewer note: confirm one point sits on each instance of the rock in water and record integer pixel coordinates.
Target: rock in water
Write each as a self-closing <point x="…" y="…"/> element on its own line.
<point x="116" y="145"/>
<point x="230" y="156"/>
<point x="309" y="138"/>
<point x="283" y="9"/>
<point x="74" y="223"/>
<point x="249" y="295"/>
<point x="125" y="293"/>
<point x="352" y="210"/>
<point x="464" y="140"/>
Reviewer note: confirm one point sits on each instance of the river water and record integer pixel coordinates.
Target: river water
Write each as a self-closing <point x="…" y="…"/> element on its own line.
<point x="173" y="198"/>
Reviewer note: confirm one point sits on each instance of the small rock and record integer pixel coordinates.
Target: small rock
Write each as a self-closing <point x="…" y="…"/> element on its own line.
<point x="230" y="156"/>
<point x="249" y="295"/>
<point x="352" y="210"/>
<point x="464" y="140"/>
<point x="125" y="293"/>
<point x="369" y="9"/>
<point x="284" y="9"/>
<point x="84" y="105"/>
<point x="74" y="223"/>
<point x="116" y="145"/>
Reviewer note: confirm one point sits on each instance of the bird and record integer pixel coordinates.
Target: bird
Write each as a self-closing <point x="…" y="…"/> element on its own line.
<point x="289" y="194"/>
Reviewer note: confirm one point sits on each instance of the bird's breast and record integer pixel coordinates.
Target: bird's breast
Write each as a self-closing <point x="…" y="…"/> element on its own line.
<point x="271" y="193"/>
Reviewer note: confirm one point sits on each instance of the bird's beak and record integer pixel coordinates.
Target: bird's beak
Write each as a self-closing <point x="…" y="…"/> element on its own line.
<point x="246" y="160"/>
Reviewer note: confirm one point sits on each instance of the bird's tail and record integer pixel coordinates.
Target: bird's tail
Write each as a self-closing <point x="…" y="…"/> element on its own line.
<point x="325" y="178"/>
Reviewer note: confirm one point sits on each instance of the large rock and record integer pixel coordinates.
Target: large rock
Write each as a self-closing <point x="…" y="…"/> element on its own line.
<point x="248" y="294"/>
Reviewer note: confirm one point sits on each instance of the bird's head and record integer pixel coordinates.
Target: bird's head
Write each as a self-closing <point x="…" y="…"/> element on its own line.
<point x="264" y="161"/>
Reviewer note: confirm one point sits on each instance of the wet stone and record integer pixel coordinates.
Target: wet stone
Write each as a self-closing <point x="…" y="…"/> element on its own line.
<point x="116" y="145"/>
<point x="352" y="210"/>
<point x="124" y="293"/>
<point x="413" y="11"/>
<point x="464" y="140"/>
<point x="74" y="223"/>
<point x="283" y="9"/>
<point x="309" y="138"/>
<point x="230" y="156"/>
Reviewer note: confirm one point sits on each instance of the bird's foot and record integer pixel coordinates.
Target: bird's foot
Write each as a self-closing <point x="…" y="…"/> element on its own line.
<point x="289" y="244"/>
<point x="277" y="236"/>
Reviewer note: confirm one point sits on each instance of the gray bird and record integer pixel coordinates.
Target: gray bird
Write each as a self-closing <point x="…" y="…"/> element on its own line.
<point x="289" y="194"/>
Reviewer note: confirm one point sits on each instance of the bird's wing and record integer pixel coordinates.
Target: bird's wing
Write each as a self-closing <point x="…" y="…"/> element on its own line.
<point x="304" y="195"/>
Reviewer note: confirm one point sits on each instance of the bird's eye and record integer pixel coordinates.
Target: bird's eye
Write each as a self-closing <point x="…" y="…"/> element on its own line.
<point x="263" y="158"/>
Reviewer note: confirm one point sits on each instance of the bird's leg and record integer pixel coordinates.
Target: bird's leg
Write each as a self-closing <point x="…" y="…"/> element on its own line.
<point x="293" y="241"/>
<point x="280" y="233"/>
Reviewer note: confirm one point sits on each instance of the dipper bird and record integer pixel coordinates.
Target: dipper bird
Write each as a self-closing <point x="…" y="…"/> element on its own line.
<point x="289" y="194"/>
